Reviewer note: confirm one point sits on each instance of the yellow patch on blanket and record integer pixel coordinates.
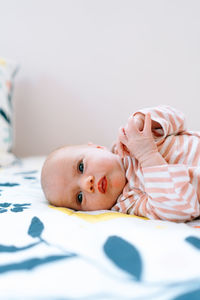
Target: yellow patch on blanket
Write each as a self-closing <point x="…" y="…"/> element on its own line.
<point x="94" y="218"/>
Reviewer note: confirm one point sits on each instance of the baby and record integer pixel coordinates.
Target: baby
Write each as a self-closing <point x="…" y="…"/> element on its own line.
<point x="152" y="171"/>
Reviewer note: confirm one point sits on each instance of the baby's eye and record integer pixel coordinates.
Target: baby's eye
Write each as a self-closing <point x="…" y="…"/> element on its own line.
<point x="80" y="197"/>
<point x="81" y="167"/>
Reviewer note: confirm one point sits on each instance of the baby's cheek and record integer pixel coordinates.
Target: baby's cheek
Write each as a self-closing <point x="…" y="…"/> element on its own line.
<point x="118" y="183"/>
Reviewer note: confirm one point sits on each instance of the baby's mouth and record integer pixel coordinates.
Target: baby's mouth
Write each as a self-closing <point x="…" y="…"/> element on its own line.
<point x="102" y="185"/>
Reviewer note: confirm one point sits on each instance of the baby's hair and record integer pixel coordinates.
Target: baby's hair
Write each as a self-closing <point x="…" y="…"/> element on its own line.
<point x="45" y="176"/>
<point x="47" y="183"/>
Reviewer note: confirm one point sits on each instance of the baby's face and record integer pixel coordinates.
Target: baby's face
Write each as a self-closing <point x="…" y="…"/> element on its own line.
<point x="86" y="178"/>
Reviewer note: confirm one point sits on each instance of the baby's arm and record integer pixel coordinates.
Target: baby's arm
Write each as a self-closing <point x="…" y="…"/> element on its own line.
<point x="168" y="195"/>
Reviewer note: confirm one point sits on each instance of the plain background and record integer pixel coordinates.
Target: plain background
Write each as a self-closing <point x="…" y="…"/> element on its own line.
<point x="85" y="66"/>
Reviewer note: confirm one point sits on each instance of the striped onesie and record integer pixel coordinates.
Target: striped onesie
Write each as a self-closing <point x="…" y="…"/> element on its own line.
<point x="167" y="192"/>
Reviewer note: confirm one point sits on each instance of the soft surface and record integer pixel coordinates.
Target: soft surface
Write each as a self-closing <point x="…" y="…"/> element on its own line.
<point x="8" y="70"/>
<point x="55" y="253"/>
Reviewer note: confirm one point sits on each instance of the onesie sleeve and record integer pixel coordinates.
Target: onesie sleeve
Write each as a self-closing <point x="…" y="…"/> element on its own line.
<point x="171" y="120"/>
<point x="168" y="195"/>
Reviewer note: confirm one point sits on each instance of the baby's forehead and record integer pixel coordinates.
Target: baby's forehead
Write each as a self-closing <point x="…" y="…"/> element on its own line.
<point x="70" y="152"/>
<point x="74" y="149"/>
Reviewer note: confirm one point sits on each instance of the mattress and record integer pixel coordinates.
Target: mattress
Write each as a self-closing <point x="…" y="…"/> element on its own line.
<point x="56" y="253"/>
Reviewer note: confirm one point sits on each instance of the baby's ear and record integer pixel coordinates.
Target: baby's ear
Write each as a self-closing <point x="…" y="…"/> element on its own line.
<point x="96" y="146"/>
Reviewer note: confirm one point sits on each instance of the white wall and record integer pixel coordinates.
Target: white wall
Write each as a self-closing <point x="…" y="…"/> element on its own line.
<point x="87" y="65"/>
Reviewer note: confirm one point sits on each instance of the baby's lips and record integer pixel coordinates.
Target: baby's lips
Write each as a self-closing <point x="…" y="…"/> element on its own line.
<point x="102" y="185"/>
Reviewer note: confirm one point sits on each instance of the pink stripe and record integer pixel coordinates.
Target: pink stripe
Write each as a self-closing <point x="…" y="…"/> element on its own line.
<point x="138" y="204"/>
<point x="163" y="199"/>
<point x="179" y="184"/>
<point x="162" y="116"/>
<point x="191" y="173"/>
<point x="158" y="179"/>
<point x="178" y="174"/>
<point x="160" y="190"/>
<point x="196" y="155"/>
<point x="163" y="168"/>
<point x="179" y="119"/>
<point x="169" y="147"/>
<point x="175" y="212"/>
<point x="180" y="145"/>
<point x="187" y="205"/>
<point x="123" y="206"/>
<point x="188" y="152"/>
<point x="136" y="177"/>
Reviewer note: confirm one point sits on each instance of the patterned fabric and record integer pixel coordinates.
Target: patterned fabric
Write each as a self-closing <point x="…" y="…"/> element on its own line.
<point x="51" y="253"/>
<point x="167" y="192"/>
<point x="7" y="72"/>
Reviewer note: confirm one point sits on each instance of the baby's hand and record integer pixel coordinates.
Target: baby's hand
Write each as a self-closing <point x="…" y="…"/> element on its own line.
<point x="136" y="143"/>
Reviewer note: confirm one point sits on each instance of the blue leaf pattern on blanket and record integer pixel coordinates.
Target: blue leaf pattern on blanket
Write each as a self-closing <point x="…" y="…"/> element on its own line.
<point x="26" y="172"/>
<point x="194" y="241"/>
<point x="124" y="255"/>
<point x="5" y="116"/>
<point x="9" y="184"/>
<point x="30" y="264"/>
<point x="35" y="230"/>
<point x="5" y="204"/>
<point x="194" y="295"/>
<point x="4" y="248"/>
<point x="14" y="207"/>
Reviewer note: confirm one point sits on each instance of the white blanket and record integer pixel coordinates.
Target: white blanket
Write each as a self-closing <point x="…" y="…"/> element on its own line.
<point x="55" y="253"/>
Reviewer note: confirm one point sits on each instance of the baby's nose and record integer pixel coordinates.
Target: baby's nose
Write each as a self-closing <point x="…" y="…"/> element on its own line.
<point x="88" y="184"/>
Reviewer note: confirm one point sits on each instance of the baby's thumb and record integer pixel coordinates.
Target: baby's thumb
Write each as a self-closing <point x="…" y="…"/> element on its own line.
<point x="147" y="124"/>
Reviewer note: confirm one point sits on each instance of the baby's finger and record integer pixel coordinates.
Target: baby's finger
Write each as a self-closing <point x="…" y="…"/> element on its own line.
<point x="122" y="135"/>
<point x="132" y="126"/>
<point x="119" y="149"/>
<point x="147" y="123"/>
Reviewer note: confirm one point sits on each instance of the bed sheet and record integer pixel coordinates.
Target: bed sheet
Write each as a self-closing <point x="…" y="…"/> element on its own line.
<point x="55" y="253"/>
